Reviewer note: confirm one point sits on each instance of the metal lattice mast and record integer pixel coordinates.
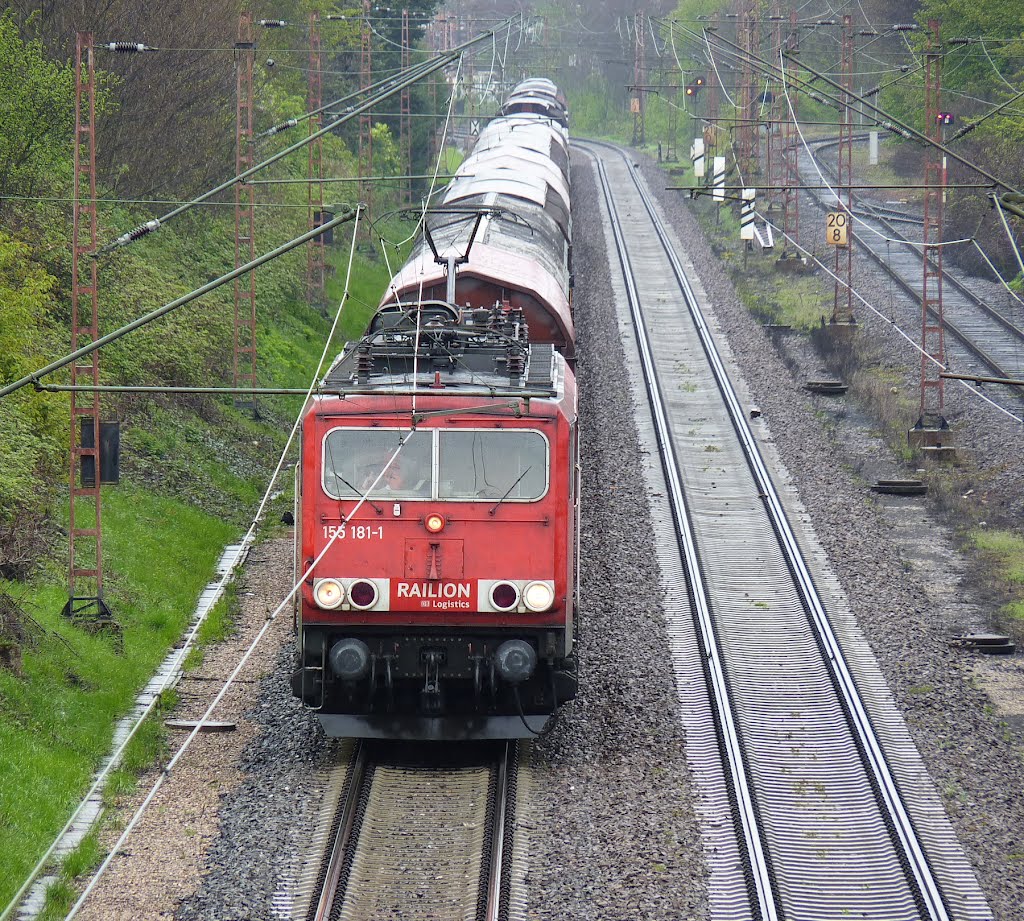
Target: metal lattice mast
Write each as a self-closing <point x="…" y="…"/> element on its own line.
<point x="244" y="357"/>
<point x="639" y="80"/>
<point x="754" y="50"/>
<point x="365" y="122"/>
<point x="773" y="143"/>
<point x="842" y="306"/>
<point x="316" y="253"/>
<point x="745" y="130"/>
<point x="791" y="139"/>
<point x="405" y="109"/>
<point x="671" y="143"/>
<point x="712" y="131"/>
<point x="932" y="333"/>
<point x="85" y="530"/>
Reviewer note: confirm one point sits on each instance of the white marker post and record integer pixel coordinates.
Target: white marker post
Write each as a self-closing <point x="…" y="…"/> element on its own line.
<point x="747" y="215"/>
<point x="718" y="193"/>
<point x="697" y="155"/>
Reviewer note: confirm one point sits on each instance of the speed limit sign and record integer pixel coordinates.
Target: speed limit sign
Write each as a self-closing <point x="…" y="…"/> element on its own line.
<point x="835" y="228"/>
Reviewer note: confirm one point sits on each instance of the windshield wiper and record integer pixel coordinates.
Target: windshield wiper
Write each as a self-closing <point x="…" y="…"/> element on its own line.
<point x="508" y="491"/>
<point x="358" y="492"/>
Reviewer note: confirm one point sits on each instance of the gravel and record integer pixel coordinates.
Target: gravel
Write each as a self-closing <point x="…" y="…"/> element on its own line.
<point x="972" y="756"/>
<point x="612" y="828"/>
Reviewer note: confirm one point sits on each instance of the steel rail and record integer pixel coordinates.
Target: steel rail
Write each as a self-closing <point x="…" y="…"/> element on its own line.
<point x="763" y="896"/>
<point x="873" y="212"/>
<point x="492" y="910"/>
<point x="921" y="875"/>
<point x="340" y="844"/>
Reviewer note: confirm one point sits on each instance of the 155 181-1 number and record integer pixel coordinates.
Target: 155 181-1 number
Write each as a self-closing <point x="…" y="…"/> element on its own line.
<point x="353" y="532"/>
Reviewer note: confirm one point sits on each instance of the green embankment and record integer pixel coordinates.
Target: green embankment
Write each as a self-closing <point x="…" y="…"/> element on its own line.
<point x="190" y="482"/>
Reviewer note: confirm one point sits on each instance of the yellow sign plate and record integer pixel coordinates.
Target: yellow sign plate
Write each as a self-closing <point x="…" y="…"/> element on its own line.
<point x="836" y="228"/>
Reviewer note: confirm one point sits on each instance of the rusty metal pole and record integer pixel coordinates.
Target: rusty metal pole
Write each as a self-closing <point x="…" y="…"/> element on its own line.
<point x="774" y="157"/>
<point x="712" y="130"/>
<point x="365" y="121"/>
<point x="85" y="525"/>
<point x="316" y="261"/>
<point x="744" y="129"/>
<point x="637" y="104"/>
<point x="842" y="305"/>
<point x="244" y="352"/>
<point x="791" y="140"/>
<point x="932" y="332"/>
<point x="405" y="110"/>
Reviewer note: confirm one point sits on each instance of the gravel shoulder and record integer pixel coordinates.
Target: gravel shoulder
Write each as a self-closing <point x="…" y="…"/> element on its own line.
<point x="907" y="586"/>
<point x="612" y="828"/>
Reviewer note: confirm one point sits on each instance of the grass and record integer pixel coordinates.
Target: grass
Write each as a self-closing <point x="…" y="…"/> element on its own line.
<point x="1003" y="551"/>
<point x="56" y="721"/>
<point x="191" y="476"/>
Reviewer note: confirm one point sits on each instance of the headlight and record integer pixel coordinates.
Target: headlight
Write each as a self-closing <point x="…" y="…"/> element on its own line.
<point x="434" y="523"/>
<point x="328" y="593"/>
<point x="504" y="596"/>
<point x="538" y="596"/>
<point x="362" y="594"/>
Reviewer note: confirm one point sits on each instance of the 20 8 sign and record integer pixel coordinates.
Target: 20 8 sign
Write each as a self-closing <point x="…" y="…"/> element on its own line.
<point x="835" y="228"/>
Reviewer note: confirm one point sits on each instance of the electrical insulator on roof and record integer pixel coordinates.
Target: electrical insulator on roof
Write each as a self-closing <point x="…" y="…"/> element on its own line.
<point x="126" y="47"/>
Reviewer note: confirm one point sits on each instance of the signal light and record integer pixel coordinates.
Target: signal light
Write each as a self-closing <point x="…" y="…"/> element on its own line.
<point x="695" y="85"/>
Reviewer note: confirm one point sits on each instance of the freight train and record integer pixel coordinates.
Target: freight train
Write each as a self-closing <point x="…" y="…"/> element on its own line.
<point x="437" y="497"/>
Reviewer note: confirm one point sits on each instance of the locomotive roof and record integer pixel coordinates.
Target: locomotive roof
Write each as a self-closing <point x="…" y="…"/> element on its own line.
<point x="466" y="352"/>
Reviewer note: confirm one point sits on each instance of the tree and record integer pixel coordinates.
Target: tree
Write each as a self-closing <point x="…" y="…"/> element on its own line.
<point x="36" y="111"/>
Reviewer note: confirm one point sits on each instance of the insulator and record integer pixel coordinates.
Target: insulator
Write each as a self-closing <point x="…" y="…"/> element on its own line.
<point x="126" y="47"/>
<point x="336" y="18"/>
<point x="826" y="22"/>
<point x="867" y="32"/>
<point x="874" y="91"/>
<point x="284" y="126"/>
<point x="905" y="27"/>
<point x="272" y="23"/>
<point x="138" y="233"/>
<point x="961" y="41"/>
<point x="515" y="362"/>
<point x="364" y="362"/>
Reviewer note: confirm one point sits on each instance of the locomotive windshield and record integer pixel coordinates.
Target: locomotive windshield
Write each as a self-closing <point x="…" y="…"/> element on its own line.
<point x="354" y="459"/>
<point x="492" y="464"/>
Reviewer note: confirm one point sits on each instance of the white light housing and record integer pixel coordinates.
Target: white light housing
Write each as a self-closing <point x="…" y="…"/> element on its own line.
<point x="504" y="596"/>
<point x="328" y="593"/>
<point x="362" y="594"/>
<point x="538" y="596"/>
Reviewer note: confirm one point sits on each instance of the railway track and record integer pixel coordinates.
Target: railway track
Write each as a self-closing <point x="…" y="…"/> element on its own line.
<point x="814" y="803"/>
<point x="424" y="834"/>
<point x="989" y="336"/>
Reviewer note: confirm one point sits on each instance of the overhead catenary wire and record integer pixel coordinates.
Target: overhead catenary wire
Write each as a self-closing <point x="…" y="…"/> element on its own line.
<point x="250" y="534"/>
<point x="398" y="84"/>
<point x="888" y="120"/>
<point x="175" y="304"/>
<point x="891" y="322"/>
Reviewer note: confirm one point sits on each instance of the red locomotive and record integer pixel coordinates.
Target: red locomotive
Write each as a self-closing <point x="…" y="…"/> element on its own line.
<point x="437" y="497"/>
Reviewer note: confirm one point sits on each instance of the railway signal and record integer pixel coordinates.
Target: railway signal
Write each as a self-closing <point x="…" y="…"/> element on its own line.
<point x="695" y="85"/>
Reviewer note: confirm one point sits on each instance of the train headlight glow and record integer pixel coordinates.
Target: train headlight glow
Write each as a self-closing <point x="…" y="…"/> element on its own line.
<point x="538" y="596"/>
<point x="328" y="593"/>
<point x="434" y="523"/>
<point x="362" y="594"/>
<point x="504" y="596"/>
